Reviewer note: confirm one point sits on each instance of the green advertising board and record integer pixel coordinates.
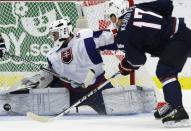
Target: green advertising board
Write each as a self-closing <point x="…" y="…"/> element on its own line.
<point x="24" y="26"/>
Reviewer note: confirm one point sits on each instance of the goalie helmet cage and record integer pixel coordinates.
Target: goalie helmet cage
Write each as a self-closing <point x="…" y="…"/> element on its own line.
<point x="33" y="44"/>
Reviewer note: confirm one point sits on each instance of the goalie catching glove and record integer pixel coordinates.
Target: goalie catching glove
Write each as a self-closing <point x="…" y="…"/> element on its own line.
<point x="2" y="46"/>
<point x="126" y="68"/>
<point x="39" y="80"/>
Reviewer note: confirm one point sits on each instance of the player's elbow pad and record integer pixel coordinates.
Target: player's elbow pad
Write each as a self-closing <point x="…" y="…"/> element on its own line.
<point x="166" y="7"/>
<point x="162" y="7"/>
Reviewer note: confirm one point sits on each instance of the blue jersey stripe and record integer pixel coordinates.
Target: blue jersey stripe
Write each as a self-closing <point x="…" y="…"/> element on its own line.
<point x="109" y="47"/>
<point x="93" y="54"/>
<point x="96" y="34"/>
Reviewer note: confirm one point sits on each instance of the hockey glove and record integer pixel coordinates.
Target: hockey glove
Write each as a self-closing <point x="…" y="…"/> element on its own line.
<point x="39" y="80"/>
<point x="125" y="68"/>
<point x="2" y="46"/>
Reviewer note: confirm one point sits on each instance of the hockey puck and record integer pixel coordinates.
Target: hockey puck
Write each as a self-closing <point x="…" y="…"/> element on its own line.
<point x="7" y="107"/>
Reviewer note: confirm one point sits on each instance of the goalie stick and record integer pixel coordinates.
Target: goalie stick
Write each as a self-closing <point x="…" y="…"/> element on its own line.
<point x="36" y="117"/>
<point x="87" y="81"/>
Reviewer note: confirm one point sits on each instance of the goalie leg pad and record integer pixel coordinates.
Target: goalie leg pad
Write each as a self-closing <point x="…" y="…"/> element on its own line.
<point x="130" y="100"/>
<point x="14" y="104"/>
<point x="47" y="101"/>
<point x="149" y="99"/>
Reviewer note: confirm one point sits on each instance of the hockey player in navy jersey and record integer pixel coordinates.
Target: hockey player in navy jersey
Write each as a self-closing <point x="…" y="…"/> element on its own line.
<point x="151" y="28"/>
<point x="2" y="46"/>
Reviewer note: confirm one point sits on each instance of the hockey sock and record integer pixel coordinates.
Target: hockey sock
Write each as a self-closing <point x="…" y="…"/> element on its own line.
<point x="172" y="93"/>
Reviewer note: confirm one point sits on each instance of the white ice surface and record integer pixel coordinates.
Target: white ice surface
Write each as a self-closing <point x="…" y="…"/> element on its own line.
<point x="92" y="122"/>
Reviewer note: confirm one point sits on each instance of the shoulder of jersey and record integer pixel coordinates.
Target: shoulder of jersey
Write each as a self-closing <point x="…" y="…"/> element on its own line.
<point x="51" y="51"/>
<point x="84" y="33"/>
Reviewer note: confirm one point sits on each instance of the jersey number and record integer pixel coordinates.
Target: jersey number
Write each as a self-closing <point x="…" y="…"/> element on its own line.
<point x="139" y="15"/>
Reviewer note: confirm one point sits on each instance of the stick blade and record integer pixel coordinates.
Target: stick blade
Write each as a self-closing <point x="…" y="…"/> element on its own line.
<point x="35" y="117"/>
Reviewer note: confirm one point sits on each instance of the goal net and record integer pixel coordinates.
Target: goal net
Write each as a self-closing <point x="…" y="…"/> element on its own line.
<point x="24" y="26"/>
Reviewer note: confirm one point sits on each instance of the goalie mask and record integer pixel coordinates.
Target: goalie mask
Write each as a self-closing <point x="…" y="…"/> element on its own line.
<point x="60" y="31"/>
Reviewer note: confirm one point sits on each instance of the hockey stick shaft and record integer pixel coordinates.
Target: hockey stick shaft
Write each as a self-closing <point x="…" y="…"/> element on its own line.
<point x="35" y="117"/>
<point x="91" y="93"/>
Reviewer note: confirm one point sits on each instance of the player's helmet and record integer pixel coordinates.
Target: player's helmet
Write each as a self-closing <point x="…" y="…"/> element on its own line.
<point x="60" y="30"/>
<point x="116" y="7"/>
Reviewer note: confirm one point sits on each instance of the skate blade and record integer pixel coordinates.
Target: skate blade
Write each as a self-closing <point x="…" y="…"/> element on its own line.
<point x="173" y="124"/>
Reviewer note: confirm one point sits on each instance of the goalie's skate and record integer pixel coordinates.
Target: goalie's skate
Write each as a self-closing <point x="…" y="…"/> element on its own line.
<point x="179" y="118"/>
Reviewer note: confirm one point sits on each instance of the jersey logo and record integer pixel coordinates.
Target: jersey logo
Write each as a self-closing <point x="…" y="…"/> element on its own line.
<point x="67" y="56"/>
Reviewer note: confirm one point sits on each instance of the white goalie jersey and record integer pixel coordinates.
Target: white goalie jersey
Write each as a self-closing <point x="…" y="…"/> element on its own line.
<point x="81" y="54"/>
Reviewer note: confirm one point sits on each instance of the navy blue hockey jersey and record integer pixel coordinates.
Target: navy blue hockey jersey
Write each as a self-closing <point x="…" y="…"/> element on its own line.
<point x="146" y="28"/>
